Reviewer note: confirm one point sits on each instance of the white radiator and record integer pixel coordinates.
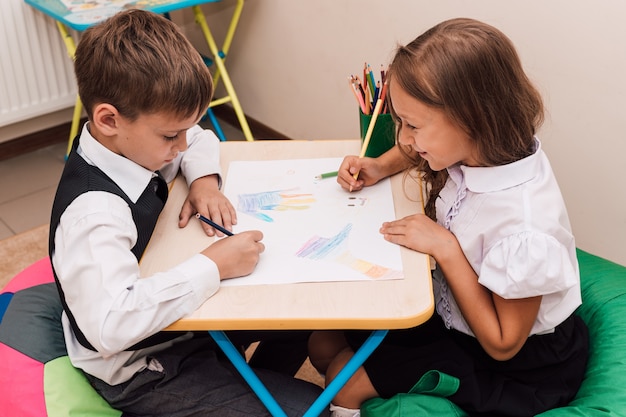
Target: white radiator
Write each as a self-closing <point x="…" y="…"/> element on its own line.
<point x="36" y="75"/>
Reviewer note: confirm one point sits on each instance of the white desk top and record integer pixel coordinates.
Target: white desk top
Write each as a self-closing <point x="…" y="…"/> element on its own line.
<point x="327" y="305"/>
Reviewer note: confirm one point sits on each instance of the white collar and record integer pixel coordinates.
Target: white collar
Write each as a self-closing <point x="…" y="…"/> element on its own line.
<point x="497" y="178"/>
<point x="131" y="177"/>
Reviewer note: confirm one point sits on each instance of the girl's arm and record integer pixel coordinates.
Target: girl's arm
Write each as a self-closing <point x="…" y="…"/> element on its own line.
<point x="501" y="326"/>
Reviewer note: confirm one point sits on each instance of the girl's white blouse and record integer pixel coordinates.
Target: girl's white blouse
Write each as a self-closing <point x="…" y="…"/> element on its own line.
<point x="512" y="224"/>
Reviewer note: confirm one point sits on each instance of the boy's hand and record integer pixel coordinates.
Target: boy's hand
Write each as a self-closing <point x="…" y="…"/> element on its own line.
<point x="237" y="255"/>
<point x="206" y="198"/>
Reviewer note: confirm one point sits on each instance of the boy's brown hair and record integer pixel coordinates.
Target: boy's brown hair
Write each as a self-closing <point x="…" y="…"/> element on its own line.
<point x="141" y="63"/>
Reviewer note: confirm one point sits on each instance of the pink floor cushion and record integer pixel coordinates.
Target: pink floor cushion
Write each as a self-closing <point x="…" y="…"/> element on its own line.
<point x="36" y="376"/>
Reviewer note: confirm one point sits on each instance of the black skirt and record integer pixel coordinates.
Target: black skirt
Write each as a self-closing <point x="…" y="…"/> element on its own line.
<point x="545" y="374"/>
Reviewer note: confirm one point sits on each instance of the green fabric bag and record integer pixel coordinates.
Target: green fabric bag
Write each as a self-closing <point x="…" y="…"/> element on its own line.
<point x="427" y="398"/>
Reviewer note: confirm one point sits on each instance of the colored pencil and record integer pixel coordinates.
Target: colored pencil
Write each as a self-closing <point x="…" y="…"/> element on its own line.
<point x="214" y="225"/>
<point x="383" y="94"/>
<point x="372" y="81"/>
<point x="365" y="83"/>
<point x="326" y="175"/>
<point x="360" y="86"/>
<point x="370" y="89"/>
<point x="357" y="94"/>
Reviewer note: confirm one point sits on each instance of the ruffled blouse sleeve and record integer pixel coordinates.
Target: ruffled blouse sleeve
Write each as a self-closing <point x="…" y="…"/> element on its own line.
<point x="528" y="264"/>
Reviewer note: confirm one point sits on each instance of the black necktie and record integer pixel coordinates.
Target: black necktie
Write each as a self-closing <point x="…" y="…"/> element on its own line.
<point x="146" y="211"/>
<point x="159" y="187"/>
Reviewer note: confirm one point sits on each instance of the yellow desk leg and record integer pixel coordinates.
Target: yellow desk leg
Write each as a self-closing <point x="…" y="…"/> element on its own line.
<point x="219" y="61"/>
<point x="78" y="109"/>
<point x="230" y="33"/>
<point x="70" y="45"/>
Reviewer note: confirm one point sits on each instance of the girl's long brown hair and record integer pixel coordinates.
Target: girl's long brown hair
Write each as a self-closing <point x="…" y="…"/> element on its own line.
<point x="470" y="71"/>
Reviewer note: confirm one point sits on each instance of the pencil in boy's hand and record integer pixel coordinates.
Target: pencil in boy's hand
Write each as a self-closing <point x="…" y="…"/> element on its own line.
<point x="214" y="225"/>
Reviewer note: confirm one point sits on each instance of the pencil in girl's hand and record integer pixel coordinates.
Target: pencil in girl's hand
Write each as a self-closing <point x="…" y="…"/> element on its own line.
<point x="214" y="225"/>
<point x="368" y="135"/>
<point x="370" y="130"/>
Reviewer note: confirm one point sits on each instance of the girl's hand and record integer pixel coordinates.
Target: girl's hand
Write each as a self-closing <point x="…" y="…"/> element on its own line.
<point x="368" y="169"/>
<point x="206" y="198"/>
<point x="500" y="325"/>
<point x="420" y="233"/>
<point x="237" y="255"/>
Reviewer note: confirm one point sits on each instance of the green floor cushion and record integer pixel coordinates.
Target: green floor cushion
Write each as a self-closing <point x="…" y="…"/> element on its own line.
<point x="603" y="391"/>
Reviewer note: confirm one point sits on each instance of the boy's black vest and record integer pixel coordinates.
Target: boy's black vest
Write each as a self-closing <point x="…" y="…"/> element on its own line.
<point x="78" y="178"/>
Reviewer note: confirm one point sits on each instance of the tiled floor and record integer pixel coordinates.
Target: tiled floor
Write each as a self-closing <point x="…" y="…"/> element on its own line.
<point x="28" y="183"/>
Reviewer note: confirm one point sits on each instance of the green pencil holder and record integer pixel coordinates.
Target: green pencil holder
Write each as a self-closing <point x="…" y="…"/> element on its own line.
<point x="384" y="134"/>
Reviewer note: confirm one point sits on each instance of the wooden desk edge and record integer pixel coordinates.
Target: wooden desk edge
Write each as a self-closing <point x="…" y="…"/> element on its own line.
<point x="197" y="324"/>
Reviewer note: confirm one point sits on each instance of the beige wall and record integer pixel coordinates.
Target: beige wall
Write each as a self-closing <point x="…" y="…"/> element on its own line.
<point x="290" y="61"/>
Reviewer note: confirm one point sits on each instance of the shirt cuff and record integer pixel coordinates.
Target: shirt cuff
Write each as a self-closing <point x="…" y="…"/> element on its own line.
<point x="204" y="277"/>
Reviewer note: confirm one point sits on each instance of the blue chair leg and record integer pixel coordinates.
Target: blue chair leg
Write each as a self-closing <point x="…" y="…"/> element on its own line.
<point x="216" y="125"/>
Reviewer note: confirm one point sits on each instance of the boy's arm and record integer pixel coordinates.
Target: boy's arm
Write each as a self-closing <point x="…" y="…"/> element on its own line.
<point x="100" y="276"/>
<point x="200" y="165"/>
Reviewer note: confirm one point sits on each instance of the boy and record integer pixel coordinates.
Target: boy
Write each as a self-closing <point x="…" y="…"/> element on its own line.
<point x="145" y="88"/>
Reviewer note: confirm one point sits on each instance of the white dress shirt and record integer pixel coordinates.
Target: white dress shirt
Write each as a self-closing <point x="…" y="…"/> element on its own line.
<point x="99" y="274"/>
<point x="512" y="224"/>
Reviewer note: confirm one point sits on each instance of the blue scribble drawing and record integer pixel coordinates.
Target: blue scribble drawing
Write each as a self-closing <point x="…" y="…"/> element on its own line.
<point x="279" y="200"/>
<point x="319" y="248"/>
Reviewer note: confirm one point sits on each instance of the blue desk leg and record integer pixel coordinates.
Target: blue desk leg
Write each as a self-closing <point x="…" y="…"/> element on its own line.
<point x="346" y="373"/>
<point x="247" y="373"/>
<point x="325" y="397"/>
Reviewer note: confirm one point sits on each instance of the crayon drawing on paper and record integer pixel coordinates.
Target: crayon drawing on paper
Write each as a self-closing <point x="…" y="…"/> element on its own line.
<point x="313" y="230"/>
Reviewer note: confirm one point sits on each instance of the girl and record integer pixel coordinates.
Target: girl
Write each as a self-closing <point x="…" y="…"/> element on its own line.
<point x="506" y="281"/>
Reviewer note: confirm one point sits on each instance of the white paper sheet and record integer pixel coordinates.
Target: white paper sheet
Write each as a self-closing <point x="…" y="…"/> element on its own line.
<point x="313" y="229"/>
